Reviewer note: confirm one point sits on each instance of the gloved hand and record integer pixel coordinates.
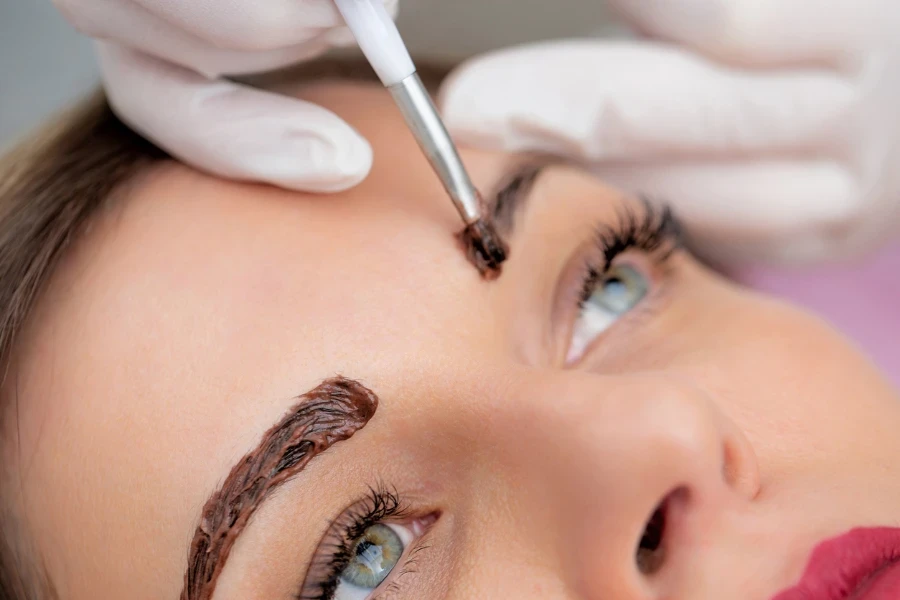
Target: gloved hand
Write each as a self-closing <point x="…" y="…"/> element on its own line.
<point x="162" y="62"/>
<point x="771" y="125"/>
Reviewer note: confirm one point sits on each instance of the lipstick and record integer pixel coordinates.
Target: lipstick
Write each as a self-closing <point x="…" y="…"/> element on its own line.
<point x="863" y="564"/>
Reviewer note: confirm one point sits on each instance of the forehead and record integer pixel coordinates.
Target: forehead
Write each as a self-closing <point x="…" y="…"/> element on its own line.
<point x="257" y="257"/>
<point x="193" y="275"/>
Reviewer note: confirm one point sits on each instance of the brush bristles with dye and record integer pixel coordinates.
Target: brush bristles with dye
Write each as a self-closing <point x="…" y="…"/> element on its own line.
<point x="484" y="248"/>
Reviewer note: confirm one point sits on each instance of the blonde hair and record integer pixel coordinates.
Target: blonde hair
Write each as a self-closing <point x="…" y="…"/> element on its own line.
<point x="50" y="186"/>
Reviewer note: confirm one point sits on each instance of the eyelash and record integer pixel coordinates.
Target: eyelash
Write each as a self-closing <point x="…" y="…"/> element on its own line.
<point x="334" y="552"/>
<point x="654" y="229"/>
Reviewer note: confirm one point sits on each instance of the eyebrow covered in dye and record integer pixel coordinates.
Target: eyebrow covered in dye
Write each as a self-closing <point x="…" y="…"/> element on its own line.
<point x="501" y="208"/>
<point x="332" y="412"/>
<point x="512" y="195"/>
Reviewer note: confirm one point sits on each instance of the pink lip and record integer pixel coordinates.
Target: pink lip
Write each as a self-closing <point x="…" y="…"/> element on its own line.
<point x="861" y="565"/>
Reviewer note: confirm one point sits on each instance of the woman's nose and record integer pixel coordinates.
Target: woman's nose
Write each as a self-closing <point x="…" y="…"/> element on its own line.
<point x="638" y="470"/>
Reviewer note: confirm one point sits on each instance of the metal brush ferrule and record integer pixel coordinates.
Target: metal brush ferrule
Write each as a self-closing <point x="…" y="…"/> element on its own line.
<point x="423" y="120"/>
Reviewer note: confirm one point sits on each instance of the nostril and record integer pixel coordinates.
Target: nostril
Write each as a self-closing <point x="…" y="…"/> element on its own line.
<point x="651" y="550"/>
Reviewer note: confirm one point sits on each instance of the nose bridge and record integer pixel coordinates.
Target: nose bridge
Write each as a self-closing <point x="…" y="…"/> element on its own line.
<point x="596" y="456"/>
<point x="627" y="431"/>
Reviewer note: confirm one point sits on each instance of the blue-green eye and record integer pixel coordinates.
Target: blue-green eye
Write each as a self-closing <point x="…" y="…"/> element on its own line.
<point x="615" y="293"/>
<point x="373" y="556"/>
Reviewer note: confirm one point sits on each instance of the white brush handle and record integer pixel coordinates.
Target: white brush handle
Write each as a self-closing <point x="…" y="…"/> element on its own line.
<point x="378" y="38"/>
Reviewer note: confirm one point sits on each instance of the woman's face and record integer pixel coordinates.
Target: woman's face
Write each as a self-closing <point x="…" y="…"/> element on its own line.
<point x="528" y="428"/>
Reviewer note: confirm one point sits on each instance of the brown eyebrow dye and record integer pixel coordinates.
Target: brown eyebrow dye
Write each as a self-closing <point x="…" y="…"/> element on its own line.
<point x="484" y="248"/>
<point x="330" y="413"/>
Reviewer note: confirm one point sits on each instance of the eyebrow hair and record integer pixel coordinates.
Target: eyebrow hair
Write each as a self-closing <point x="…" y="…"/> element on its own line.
<point x="511" y="196"/>
<point x="330" y="413"/>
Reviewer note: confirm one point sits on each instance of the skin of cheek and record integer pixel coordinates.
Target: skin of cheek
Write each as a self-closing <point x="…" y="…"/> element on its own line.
<point x="819" y="417"/>
<point x="819" y="397"/>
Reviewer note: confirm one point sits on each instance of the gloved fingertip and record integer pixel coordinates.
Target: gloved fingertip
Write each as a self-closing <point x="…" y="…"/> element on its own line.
<point x="314" y="163"/>
<point x="248" y="134"/>
<point x="481" y="102"/>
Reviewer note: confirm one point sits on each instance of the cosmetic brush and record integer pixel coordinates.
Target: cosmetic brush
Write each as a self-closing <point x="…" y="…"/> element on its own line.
<point x="380" y="42"/>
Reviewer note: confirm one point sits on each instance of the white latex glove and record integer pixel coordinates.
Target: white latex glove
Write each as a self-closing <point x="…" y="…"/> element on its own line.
<point x="163" y="62"/>
<point x="771" y="125"/>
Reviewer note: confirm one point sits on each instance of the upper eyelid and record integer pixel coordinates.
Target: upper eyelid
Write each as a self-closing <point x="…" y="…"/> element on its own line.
<point x="508" y="197"/>
<point x="565" y="306"/>
<point x="651" y="228"/>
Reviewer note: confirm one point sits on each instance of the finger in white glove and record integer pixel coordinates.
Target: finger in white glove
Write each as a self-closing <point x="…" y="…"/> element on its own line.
<point x="627" y="100"/>
<point x="728" y="147"/>
<point x="162" y="61"/>
<point x="223" y="46"/>
<point x="773" y="121"/>
<point x="730" y="219"/>
<point x="232" y="130"/>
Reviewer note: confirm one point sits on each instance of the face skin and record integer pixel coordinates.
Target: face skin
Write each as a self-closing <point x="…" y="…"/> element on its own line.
<point x="189" y="320"/>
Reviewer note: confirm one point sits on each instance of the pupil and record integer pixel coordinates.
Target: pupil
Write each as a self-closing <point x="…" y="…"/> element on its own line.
<point x="615" y="287"/>
<point x="362" y="547"/>
<point x="370" y="556"/>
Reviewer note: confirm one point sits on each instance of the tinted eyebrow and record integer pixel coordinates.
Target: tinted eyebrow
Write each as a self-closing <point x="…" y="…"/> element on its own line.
<point x="330" y="413"/>
<point x="511" y="196"/>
